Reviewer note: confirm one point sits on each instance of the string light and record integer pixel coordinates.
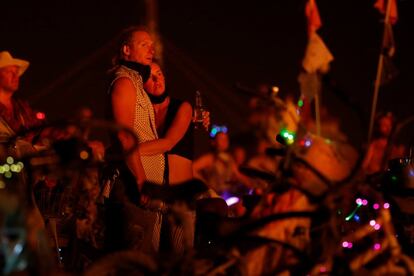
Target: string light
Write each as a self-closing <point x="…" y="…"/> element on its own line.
<point x="288" y="136"/>
<point x="9" y="160"/>
<point x="215" y="129"/>
<point x="11" y="167"/>
<point x="346" y="244"/>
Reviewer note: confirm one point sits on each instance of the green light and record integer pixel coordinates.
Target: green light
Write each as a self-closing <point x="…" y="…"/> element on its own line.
<point x="2" y="170"/>
<point x="20" y="164"/>
<point x="351" y="215"/>
<point x="288" y="136"/>
<point x="394" y="178"/>
<point x="10" y="160"/>
<point x="14" y="168"/>
<point x="8" y="174"/>
<point x="6" y="167"/>
<point x="300" y="103"/>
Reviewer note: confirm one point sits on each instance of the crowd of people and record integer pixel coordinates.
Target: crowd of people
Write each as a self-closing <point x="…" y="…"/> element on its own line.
<point x="152" y="203"/>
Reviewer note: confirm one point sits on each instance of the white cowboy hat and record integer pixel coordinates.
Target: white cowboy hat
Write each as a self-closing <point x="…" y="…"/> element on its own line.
<point x="7" y="60"/>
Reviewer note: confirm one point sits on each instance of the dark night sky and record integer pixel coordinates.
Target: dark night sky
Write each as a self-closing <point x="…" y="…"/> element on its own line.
<point x="208" y="45"/>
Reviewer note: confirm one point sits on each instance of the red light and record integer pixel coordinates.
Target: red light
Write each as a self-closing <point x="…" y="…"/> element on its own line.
<point x="40" y="115"/>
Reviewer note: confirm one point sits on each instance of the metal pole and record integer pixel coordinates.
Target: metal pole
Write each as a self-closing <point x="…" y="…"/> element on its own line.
<point x="379" y="73"/>
<point x="152" y="19"/>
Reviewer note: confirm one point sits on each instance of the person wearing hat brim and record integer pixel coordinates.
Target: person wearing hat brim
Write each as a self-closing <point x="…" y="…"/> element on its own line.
<point x="15" y="114"/>
<point x="6" y="59"/>
<point x="16" y="117"/>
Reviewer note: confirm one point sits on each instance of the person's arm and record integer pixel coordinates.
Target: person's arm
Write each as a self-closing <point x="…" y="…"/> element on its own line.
<point x="201" y="163"/>
<point x="174" y="133"/>
<point x="123" y="107"/>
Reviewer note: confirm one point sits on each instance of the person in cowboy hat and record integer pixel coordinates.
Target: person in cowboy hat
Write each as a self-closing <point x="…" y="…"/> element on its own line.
<point x="15" y="114"/>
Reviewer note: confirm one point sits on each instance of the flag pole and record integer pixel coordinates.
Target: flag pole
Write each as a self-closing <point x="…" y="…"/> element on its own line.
<point x="317" y="114"/>
<point x="379" y="73"/>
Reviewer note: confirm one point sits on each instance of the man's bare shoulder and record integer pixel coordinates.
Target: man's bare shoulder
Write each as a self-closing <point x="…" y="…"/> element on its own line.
<point x="122" y="84"/>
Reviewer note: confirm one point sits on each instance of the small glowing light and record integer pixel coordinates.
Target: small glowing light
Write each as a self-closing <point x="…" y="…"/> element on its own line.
<point x="213" y="132"/>
<point x="10" y="160"/>
<point x="376" y="206"/>
<point x="372" y="222"/>
<point x="345" y="244"/>
<point x="364" y="202"/>
<point x="232" y="200"/>
<point x="339" y="212"/>
<point x="20" y="164"/>
<point x="322" y="269"/>
<point x="411" y="172"/>
<point x="14" y="168"/>
<point x="300" y="103"/>
<point x="8" y="174"/>
<point x="377" y="246"/>
<point x="377" y="226"/>
<point x="357" y="218"/>
<point x="394" y="178"/>
<point x="358" y="201"/>
<point x="18" y="248"/>
<point x="2" y="185"/>
<point x="6" y="167"/>
<point x="308" y="143"/>
<point x="2" y="170"/>
<point x="275" y="89"/>
<point x="40" y="116"/>
<point x="215" y="129"/>
<point x="386" y="205"/>
<point x="84" y="155"/>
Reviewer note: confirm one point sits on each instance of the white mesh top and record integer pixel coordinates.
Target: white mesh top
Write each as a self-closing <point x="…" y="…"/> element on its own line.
<point x="144" y="125"/>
